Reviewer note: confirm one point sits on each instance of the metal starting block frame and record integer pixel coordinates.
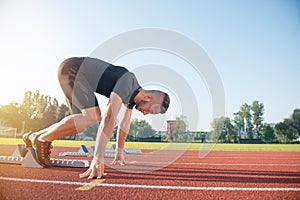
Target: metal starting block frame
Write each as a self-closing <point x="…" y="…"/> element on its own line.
<point x="132" y="151"/>
<point x="29" y="160"/>
<point x="126" y="151"/>
<point x="109" y="153"/>
<point x="84" y="152"/>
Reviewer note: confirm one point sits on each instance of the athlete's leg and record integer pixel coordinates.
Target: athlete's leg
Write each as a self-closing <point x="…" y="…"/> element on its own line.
<point x="42" y="131"/>
<point x="82" y="103"/>
<point x="72" y="124"/>
<point x="69" y="125"/>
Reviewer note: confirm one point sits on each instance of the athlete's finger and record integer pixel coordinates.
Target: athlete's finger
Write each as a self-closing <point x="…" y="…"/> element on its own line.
<point x="92" y="175"/>
<point x="123" y="162"/>
<point x="99" y="175"/>
<point x="114" y="162"/>
<point x="85" y="174"/>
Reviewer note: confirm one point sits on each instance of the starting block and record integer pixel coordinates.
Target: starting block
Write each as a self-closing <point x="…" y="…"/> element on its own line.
<point x="29" y="160"/>
<point x="11" y="159"/>
<point x="84" y="152"/>
<point x="132" y="151"/>
<point x="20" y="151"/>
<point x="109" y="153"/>
<point x="126" y="151"/>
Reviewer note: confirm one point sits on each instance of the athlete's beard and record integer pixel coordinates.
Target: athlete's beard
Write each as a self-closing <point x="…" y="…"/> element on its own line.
<point x="139" y="104"/>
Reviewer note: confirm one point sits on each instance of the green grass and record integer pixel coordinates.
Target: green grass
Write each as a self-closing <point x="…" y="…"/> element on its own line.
<point x="257" y="147"/>
<point x="182" y="146"/>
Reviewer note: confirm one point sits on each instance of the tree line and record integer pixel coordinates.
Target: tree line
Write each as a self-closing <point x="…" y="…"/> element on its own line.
<point x="38" y="111"/>
<point x="35" y="112"/>
<point x="248" y="123"/>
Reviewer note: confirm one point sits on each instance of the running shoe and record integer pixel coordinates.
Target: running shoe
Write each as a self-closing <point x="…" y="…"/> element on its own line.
<point x="43" y="151"/>
<point x="26" y="139"/>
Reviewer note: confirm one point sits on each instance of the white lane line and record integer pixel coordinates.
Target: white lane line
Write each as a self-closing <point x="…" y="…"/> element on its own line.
<point x="239" y="164"/>
<point x="245" y="157"/>
<point x="213" y="164"/>
<point x="148" y="186"/>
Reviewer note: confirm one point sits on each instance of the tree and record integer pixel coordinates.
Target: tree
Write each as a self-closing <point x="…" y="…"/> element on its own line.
<point x="62" y="112"/>
<point x="246" y="115"/>
<point x="267" y="134"/>
<point x="296" y="121"/>
<point x="10" y="116"/>
<point x="144" y="129"/>
<point x="134" y="129"/>
<point x="231" y="136"/>
<point x="140" y="129"/>
<point x="181" y="133"/>
<point x="90" y="133"/>
<point x="33" y="108"/>
<point x="288" y="130"/>
<point x="248" y="120"/>
<point x="285" y="132"/>
<point x="223" y="130"/>
<point x="180" y="129"/>
<point x="49" y="115"/>
<point x="36" y="112"/>
<point x="258" y="111"/>
<point x="238" y="123"/>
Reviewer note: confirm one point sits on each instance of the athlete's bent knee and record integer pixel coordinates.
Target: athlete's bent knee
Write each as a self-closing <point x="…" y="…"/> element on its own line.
<point x="92" y="115"/>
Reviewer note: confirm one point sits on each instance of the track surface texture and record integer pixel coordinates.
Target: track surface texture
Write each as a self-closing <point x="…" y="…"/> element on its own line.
<point x="220" y="175"/>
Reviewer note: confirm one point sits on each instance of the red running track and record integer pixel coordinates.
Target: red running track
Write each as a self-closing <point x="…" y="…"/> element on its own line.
<point x="220" y="175"/>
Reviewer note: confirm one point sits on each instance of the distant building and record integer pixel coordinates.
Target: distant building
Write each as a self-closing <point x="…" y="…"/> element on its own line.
<point x="171" y="129"/>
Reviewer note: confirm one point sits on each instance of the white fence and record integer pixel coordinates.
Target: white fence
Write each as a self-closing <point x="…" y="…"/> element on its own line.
<point x="8" y="132"/>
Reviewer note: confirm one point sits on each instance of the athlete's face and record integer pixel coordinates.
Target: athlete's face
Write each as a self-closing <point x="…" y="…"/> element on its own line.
<point x="148" y="106"/>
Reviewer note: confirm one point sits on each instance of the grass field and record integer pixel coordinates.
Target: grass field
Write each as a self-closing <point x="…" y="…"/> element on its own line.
<point x="156" y="146"/>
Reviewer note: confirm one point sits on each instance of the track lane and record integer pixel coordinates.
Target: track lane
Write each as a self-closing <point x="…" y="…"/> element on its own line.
<point x="213" y="177"/>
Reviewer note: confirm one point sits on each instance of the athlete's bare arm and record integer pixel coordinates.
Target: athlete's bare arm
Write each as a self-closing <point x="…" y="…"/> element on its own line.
<point x="105" y="130"/>
<point x="123" y="131"/>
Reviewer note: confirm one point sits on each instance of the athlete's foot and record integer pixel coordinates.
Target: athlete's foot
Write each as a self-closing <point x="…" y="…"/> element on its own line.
<point x="26" y="139"/>
<point x="43" y="151"/>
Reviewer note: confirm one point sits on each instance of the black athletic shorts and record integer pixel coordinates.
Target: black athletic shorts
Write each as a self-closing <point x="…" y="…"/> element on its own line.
<point x="75" y="85"/>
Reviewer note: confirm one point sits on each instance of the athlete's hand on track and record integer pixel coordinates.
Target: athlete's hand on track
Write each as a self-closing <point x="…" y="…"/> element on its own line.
<point x="96" y="169"/>
<point x="119" y="158"/>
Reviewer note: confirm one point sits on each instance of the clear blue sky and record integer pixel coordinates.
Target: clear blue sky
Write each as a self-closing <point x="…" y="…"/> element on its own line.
<point x="255" y="45"/>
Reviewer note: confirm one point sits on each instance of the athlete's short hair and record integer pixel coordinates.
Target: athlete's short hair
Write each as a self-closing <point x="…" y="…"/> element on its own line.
<point x="165" y="104"/>
<point x="166" y="100"/>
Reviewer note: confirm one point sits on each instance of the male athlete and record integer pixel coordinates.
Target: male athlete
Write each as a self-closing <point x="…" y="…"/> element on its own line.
<point x="80" y="78"/>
